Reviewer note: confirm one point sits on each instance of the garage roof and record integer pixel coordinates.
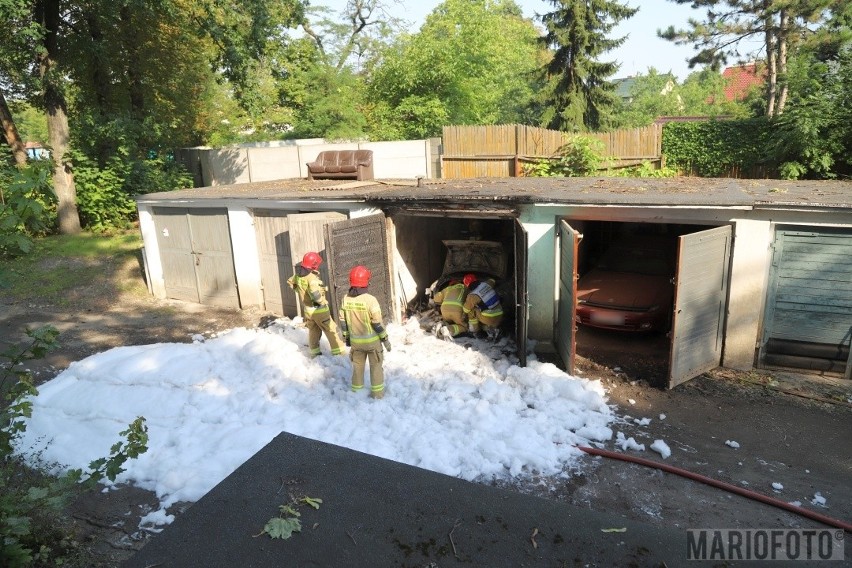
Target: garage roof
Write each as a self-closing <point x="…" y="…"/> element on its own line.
<point x="681" y="191"/>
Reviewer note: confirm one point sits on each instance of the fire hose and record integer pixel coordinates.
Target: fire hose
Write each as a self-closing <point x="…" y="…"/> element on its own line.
<point x="722" y="485"/>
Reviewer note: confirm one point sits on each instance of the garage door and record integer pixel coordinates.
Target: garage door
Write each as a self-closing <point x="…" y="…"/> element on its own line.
<point x="569" y="240"/>
<point x="283" y="239"/>
<point x="701" y="290"/>
<point x="354" y="242"/>
<point x="808" y="320"/>
<point x="195" y="248"/>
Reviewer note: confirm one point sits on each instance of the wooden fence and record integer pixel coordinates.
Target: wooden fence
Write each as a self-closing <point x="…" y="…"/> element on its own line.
<point x="501" y="150"/>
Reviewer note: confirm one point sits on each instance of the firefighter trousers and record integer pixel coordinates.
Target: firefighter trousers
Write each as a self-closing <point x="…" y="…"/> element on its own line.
<point x="377" y="374"/>
<point x="317" y="324"/>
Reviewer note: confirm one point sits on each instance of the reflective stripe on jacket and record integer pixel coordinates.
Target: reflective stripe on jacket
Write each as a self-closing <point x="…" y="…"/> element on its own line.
<point x="357" y="316"/>
<point x="451" y="300"/>
<point x="311" y="292"/>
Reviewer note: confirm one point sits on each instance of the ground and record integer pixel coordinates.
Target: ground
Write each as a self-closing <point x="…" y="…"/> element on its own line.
<point x="792" y="429"/>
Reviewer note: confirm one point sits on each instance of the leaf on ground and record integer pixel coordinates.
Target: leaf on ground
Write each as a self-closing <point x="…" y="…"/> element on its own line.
<point x="282" y="528"/>
<point x="312" y="501"/>
<point x="621" y="530"/>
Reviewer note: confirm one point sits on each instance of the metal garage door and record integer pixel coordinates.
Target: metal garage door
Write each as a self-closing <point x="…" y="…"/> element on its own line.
<point x="808" y="320"/>
<point x="521" y="295"/>
<point x="359" y="241"/>
<point x="195" y="248"/>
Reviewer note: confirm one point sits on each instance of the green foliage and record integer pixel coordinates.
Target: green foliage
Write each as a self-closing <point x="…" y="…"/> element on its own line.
<point x="471" y="63"/>
<point x="644" y="170"/>
<point x="716" y="148"/>
<point x="105" y="193"/>
<point x="30" y="508"/>
<point x="580" y="156"/>
<point x="27" y="207"/>
<point x="287" y="522"/>
<point x="578" y="95"/>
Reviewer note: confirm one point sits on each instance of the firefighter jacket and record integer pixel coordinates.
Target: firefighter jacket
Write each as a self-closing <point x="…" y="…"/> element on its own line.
<point x="451" y="299"/>
<point x="361" y="322"/>
<point x="311" y="292"/>
<point x="482" y="295"/>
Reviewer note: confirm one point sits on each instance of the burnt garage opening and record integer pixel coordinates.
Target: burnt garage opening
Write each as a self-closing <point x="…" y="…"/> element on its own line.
<point x="648" y="298"/>
<point x="436" y="244"/>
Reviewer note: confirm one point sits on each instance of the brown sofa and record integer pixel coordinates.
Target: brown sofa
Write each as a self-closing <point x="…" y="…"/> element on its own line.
<point x="342" y="164"/>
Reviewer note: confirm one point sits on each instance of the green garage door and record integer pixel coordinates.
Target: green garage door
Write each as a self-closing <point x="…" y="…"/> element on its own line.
<point x="809" y="306"/>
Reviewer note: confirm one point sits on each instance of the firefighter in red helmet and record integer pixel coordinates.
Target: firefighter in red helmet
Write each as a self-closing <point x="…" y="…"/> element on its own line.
<point x="363" y="332"/>
<point x="482" y="306"/>
<point x="315" y="309"/>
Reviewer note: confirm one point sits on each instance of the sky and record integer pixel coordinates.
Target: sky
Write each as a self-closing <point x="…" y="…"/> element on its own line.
<point x="641" y="50"/>
<point x="461" y="408"/>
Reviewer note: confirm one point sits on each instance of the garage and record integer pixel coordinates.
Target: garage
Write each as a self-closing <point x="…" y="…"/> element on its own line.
<point x="195" y="251"/>
<point x="808" y="316"/>
<point x="682" y="269"/>
<point x="410" y="249"/>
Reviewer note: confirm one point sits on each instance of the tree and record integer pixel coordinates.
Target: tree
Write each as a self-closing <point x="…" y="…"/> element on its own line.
<point x="579" y="95"/>
<point x="775" y="26"/>
<point x="470" y="63"/>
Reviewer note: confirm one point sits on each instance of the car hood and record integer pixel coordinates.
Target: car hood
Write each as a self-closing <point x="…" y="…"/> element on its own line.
<point x="623" y="289"/>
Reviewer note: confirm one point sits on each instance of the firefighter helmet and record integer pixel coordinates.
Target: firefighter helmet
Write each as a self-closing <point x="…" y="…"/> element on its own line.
<point x="469" y="279"/>
<point x="311" y="260"/>
<point x="359" y="277"/>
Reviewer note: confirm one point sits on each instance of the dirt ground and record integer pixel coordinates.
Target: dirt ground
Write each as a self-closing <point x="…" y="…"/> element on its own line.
<point x="792" y="429"/>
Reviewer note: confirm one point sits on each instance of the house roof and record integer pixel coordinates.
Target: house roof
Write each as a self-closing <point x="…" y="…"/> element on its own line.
<point x="679" y="191"/>
<point x="741" y="79"/>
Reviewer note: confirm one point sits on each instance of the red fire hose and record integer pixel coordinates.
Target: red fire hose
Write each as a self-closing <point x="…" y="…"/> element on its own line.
<point x="722" y="485"/>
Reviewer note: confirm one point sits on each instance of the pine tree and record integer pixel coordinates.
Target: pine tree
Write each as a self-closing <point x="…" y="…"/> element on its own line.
<point x="578" y="94"/>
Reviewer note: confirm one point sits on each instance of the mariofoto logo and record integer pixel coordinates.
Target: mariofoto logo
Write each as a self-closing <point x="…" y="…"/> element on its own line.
<point x="765" y="544"/>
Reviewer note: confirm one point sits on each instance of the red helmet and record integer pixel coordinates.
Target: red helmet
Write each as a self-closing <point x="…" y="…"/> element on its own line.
<point x="311" y="260"/>
<point x="468" y="279"/>
<point x="359" y="277"/>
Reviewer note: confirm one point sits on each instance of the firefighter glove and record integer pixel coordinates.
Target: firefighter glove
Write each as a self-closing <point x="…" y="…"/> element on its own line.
<point x="386" y="343"/>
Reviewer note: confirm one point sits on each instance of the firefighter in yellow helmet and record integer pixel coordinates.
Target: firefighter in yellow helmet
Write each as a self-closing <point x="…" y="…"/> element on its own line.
<point x="311" y="291"/>
<point x="482" y="306"/>
<point x="451" y="299"/>
<point x="361" y="322"/>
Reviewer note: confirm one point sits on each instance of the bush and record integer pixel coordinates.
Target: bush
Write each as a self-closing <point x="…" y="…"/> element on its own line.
<point x="580" y="156"/>
<point x="27" y="207"/>
<point x="31" y="505"/>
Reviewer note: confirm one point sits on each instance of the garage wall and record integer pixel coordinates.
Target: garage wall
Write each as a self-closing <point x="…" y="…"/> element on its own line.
<point x="246" y="256"/>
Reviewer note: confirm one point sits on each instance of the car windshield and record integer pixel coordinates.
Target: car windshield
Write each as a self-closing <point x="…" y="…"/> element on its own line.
<point x="626" y="258"/>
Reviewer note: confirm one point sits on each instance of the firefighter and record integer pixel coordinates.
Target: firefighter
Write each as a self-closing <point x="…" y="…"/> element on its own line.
<point x="482" y="306"/>
<point x="315" y="309"/>
<point x="363" y="332"/>
<point x="451" y="299"/>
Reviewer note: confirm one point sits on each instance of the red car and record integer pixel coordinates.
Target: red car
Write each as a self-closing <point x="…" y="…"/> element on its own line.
<point x="630" y="289"/>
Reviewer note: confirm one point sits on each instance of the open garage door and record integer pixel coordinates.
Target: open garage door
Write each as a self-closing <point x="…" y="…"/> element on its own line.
<point x="272" y="230"/>
<point x="701" y="289"/>
<point x="359" y="241"/>
<point x="307" y="233"/>
<point x="521" y="244"/>
<point x="569" y="240"/>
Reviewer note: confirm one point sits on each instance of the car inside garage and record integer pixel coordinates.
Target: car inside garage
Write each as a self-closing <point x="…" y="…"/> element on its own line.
<point x="649" y="296"/>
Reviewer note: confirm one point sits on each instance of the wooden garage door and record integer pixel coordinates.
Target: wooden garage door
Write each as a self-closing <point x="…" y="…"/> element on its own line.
<point x="276" y="262"/>
<point x="808" y="320"/>
<point x="569" y="240"/>
<point x="195" y="248"/>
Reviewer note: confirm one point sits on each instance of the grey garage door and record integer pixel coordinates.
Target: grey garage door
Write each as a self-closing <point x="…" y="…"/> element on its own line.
<point x="195" y="250"/>
<point x="808" y="320"/>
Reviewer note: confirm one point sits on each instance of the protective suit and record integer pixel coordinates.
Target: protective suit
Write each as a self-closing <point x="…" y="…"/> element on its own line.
<point x="361" y="321"/>
<point x="315" y="309"/>
<point x="482" y="306"/>
<point x="451" y="300"/>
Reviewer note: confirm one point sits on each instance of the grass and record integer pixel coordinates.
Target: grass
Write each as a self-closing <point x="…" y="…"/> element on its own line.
<point x="60" y="263"/>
